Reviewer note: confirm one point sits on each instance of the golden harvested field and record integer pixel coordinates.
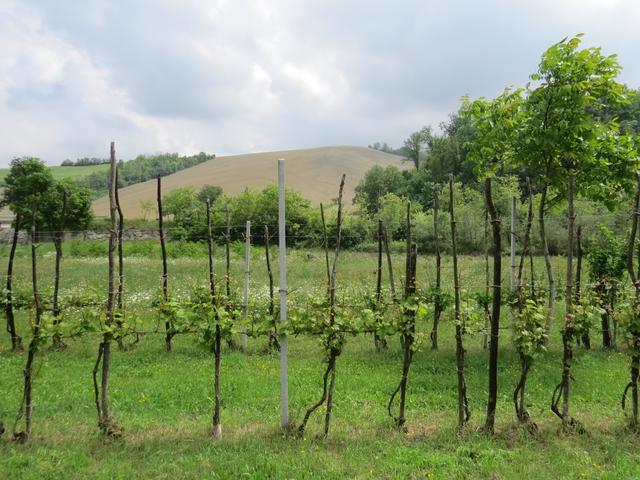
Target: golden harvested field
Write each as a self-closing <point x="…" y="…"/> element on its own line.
<point x="313" y="172"/>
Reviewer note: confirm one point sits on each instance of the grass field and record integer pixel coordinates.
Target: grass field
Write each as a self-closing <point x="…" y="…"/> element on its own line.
<point x="59" y="172"/>
<point x="314" y="171"/>
<point x="164" y="401"/>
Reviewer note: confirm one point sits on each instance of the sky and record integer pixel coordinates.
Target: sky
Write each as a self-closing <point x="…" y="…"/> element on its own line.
<point x="240" y="76"/>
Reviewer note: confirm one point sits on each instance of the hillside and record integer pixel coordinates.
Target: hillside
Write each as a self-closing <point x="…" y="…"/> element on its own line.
<point x="313" y="172"/>
<point x="59" y="172"/>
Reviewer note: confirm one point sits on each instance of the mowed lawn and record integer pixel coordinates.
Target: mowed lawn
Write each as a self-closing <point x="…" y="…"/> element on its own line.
<point x="164" y="400"/>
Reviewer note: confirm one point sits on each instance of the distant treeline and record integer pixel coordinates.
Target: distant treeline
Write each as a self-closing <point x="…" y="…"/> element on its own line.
<point x="143" y="168"/>
<point x="83" y="162"/>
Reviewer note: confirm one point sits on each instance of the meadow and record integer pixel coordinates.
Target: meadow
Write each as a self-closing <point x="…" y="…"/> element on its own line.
<point x="164" y="400"/>
<point x="60" y="172"/>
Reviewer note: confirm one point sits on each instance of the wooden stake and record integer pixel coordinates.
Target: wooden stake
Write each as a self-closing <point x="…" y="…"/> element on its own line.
<point x="165" y="276"/>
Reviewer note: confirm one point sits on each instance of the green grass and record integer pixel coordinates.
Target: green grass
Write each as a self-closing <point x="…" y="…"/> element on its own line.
<point x="164" y="402"/>
<point x="59" y="172"/>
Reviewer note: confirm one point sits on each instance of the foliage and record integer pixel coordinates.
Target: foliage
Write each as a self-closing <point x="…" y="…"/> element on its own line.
<point x="377" y="183"/>
<point x="142" y="168"/>
<point x="26" y="184"/>
<point x="529" y="332"/>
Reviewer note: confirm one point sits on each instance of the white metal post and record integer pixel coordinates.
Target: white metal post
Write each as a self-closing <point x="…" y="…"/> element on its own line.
<point x="245" y="299"/>
<point x="282" y="249"/>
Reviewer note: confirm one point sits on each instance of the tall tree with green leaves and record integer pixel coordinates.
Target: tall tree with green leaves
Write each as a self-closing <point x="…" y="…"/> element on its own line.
<point x="575" y="153"/>
<point x="496" y="123"/>
<point x="64" y="207"/>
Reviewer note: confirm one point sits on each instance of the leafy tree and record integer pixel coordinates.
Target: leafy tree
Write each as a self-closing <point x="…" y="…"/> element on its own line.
<point x="209" y="192"/>
<point x="189" y="213"/>
<point x="446" y="154"/>
<point x="413" y="146"/>
<point x="573" y="151"/>
<point x="376" y="183"/>
<point x="26" y="184"/>
<point x="27" y="181"/>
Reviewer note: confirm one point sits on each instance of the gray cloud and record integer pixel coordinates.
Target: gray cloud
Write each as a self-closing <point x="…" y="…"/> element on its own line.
<point x="238" y="76"/>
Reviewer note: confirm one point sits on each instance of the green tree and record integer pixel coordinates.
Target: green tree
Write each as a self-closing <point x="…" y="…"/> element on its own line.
<point x="376" y="183"/>
<point x="574" y="153"/>
<point x="26" y="185"/>
<point x="413" y="146"/>
<point x="189" y="213"/>
<point x="209" y="192"/>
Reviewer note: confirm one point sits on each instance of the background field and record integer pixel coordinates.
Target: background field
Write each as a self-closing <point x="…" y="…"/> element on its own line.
<point x="315" y="171"/>
<point x="164" y="400"/>
<point x="59" y="172"/>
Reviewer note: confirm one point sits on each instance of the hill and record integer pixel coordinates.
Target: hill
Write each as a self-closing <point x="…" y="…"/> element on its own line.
<point x="59" y="172"/>
<point x="313" y="172"/>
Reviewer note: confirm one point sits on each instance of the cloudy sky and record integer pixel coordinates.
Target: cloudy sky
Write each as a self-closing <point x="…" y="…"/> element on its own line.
<point x="237" y="76"/>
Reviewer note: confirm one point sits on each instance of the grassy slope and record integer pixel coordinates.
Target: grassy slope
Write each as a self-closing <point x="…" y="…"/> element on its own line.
<point x="164" y="401"/>
<point x="313" y="172"/>
<point x="58" y="172"/>
<point x="66" y="172"/>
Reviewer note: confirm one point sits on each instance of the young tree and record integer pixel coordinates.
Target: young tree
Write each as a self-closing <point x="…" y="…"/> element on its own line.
<point x="496" y="124"/>
<point x="563" y="140"/>
<point x="575" y="154"/>
<point x="64" y="206"/>
<point x="25" y="184"/>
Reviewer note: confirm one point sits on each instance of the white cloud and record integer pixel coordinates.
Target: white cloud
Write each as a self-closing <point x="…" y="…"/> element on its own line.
<point x="232" y="77"/>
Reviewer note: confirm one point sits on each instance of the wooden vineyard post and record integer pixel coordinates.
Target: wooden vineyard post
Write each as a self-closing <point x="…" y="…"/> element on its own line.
<point x="106" y="423"/>
<point x="16" y="340"/>
<point x="120" y="300"/>
<point x="58" y="237"/>
<point x="282" y="260"/>
<point x="217" y="343"/>
<point x="408" y="332"/>
<point x="163" y="248"/>
<point x="379" y="342"/>
<point x="463" y="405"/>
<point x="512" y="283"/>
<point x="26" y="406"/>
<point x="437" y="311"/>
<point x="244" y="339"/>
<point x="497" y="297"/>
<point x="333" y="339"/>
<point x="273" y="335"/>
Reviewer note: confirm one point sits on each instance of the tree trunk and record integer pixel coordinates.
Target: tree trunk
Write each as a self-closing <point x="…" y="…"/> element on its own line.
<point x="463" y="406"/>
<point x="495" y="310"/>
<point x="568" y="330"/>
<point x="487" y="270"/>
<point x="26" y="406"/>
<point x="217" y="344"/>
<point x="379" y="342"/>
<point x="16" y="340"/>
<point x="635" y="346"/>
